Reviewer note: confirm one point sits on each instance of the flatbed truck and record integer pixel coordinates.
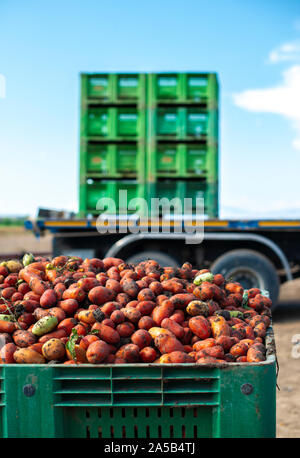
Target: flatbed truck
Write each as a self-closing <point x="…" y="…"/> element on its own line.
<point x="257" y="253"/>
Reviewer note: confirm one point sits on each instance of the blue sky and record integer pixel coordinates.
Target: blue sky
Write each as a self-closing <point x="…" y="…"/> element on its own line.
<point x="254" y="46"/>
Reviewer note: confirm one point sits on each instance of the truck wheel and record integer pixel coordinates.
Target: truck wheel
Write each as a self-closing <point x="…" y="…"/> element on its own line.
<point x="251" y="269"/>
<point x="62" y="246"/>
<point x="163" y="259"/>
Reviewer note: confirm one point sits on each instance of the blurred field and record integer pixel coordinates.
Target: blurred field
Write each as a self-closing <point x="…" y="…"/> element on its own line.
<point x="15" y="240"/>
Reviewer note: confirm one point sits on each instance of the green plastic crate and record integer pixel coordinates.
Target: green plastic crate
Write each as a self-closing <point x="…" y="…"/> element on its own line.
<point x="183" y="88"/>
<point x="114" y="123"/>
<point x="99" y="189"/>
<point x="140" y="401"/>
<point x="181" y="123"/>
<point x="176" y="188"/>
<point x="114" y="87"/>
<point x="183" y="160"/>
<point x="113" y="159"/>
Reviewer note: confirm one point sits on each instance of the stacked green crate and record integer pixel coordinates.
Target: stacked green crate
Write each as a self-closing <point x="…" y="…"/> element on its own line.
<point x="112" y="138"/>
<point x="182" y="147"/>
<point x="153" y="135"/>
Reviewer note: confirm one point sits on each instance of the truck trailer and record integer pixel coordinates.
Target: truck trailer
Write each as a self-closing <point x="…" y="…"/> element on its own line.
<point x="155" y="136"/>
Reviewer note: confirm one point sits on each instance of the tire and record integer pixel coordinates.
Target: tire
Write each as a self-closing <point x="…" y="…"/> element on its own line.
<point x="62" y="246"/>
<point x="251" y="269"/>
<point x="163" y="259"/>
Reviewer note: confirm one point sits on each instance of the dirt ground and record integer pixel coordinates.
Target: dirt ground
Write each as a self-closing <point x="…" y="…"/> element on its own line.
<point x="286" y="321"/>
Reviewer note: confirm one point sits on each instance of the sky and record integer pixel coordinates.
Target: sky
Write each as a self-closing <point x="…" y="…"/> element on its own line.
<point x="253" y="45"/>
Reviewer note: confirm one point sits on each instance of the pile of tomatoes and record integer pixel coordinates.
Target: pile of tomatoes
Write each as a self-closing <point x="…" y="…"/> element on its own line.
<point x="70" y="310"/>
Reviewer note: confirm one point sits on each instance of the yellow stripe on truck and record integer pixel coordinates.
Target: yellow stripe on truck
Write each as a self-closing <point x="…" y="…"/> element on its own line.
<point x="279" y="223"/>
<point x="65" y="223"/>
<point x="142" y="223"/>
<point x="216" y="223"/>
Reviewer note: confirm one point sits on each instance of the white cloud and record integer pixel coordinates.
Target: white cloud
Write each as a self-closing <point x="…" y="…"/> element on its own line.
<point x="286" y="52"/>
<point x="283" y="99"/>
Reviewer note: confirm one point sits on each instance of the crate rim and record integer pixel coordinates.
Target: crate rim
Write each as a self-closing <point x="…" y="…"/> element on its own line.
<point x="150" y="72"/>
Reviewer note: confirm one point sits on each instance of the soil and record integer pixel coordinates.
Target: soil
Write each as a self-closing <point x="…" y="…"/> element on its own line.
<point x="286" y="322"/>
